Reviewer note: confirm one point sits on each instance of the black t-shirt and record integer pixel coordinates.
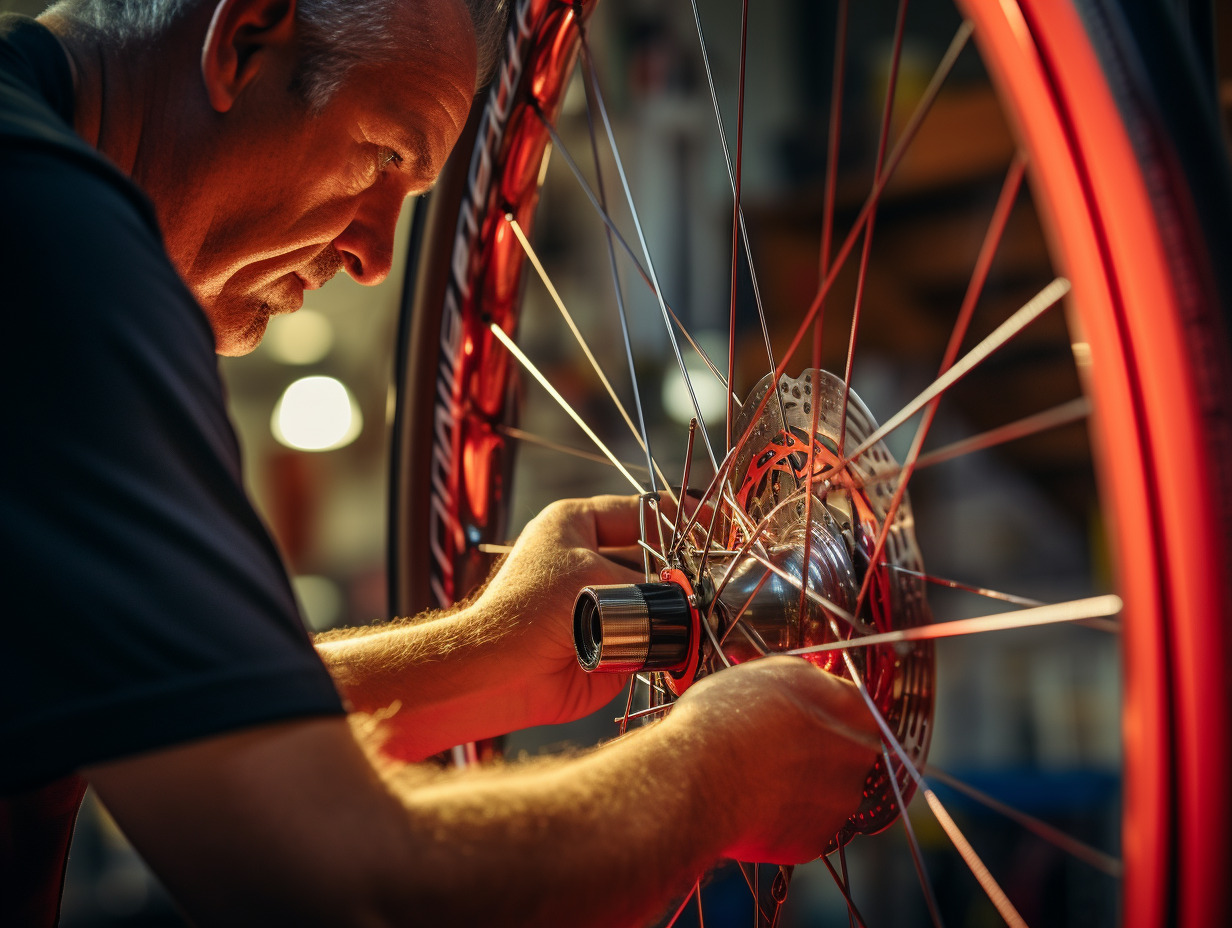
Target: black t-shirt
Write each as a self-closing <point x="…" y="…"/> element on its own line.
<point x="142" y="602"/>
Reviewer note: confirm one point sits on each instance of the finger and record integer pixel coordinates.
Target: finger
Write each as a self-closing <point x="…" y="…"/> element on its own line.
<point x="615" y="519"/>
<point x="627" y="557"/>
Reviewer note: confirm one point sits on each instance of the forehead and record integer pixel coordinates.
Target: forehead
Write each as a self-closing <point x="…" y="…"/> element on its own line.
<point x="418" y="101"/>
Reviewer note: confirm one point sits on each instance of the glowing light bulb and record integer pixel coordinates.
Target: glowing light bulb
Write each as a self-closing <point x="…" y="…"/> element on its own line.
<point x="316" y="414"/>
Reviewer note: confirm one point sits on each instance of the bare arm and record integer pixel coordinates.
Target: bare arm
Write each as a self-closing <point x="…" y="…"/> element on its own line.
<point x="290" y="824"/>
<point x="504" y="662"/>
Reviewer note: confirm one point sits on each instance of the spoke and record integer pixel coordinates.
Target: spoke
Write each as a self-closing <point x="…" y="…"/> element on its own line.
<point x="1066" y="413"/>
<point x="994" y="892"/>
<point x="957" y="44"/>
<point x="651" y="551"/>
<point x="594" y="362"/>
<point x="716" y="506"/>
<point x="735" y="249"/>
<point x="624" y="720"/>
<point x="1034" y="308"/>
<point x="485" y="547"/>
<point x="975" y="288"/>
<point x="956" y="585"/>
<point x="560" y="148"/>
<point x="716" y="644"/>
<point x="1076" y="610"/>
<point x="619" y="291"/>
<point x="842" y="865"/>
<point x="973" y="862"/>
<point x="1078" y="849"/>
<point x="871" y="222"/>
<point x="744" y="608"/>
<point x="836" y="124"/>
<point x="1111" y="626"/>
<point x="641" y="236"/>
<point x="532" y="439"/>
<point x="992" y="239"/>
<point x="752" y="874"/>
<point x="719" y="475"/>
<point x="733" y="178"/>
<point x="853" y="912"/>
<point x="564" y="404"/>
<point x="917" y="858"/>
<point x="683" y="903"/>
<point x="684" y="484"/>
<point x="643" y="713"/>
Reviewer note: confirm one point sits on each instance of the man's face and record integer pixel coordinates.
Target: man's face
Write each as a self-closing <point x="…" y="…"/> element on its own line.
<point x="296" y="197"/>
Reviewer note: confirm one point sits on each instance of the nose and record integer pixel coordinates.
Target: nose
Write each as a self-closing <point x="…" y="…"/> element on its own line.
<point x="367" y="243"/>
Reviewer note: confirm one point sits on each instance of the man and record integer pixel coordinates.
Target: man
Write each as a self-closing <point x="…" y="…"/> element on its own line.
<point x="223" y="156"/>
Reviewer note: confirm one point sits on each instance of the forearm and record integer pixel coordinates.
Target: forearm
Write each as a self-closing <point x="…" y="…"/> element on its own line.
<point x="290" y="823"/>
<point x="432" y="682"/>
<point x="606" y="839"/>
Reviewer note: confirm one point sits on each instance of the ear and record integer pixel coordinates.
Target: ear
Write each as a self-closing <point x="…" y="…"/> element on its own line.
<point x="240" y="39"/>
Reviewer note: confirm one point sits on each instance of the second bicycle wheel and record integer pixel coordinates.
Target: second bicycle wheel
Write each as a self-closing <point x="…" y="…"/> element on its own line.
<point x="980" y="222"/>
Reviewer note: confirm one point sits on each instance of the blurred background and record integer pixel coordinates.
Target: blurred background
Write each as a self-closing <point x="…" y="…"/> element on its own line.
<point x="1031" y="718"/>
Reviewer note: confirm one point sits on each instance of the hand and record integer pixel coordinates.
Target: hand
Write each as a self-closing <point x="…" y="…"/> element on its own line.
<point x="791" y="747"/>
<point x="556" y="555"/>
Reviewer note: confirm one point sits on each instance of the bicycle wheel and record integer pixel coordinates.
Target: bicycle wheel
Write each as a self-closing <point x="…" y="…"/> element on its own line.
<point x="1123" y="220"/>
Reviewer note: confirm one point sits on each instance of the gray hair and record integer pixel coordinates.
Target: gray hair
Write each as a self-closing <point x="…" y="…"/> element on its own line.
<point x="337" y="34"/>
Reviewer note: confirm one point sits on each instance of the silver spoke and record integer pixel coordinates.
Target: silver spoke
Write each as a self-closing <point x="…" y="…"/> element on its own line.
<point x="620" y="299"/>
<point x="560" y="149"/>
<point x="1076" y="610"/>
<point x="641" y="236"/>
<point x="643" y="713"/>
<point x="1034" y="308"/>
<point x="990" y="886"/>
<point x="733" y="178"/>
<point x="590" y="356"/>
<point x="917" y="858"/>
<point x="485" y="547"/>
<point x="532" y="439"/>
<point x="853" y="913"/>
<point x="517" y="352"/>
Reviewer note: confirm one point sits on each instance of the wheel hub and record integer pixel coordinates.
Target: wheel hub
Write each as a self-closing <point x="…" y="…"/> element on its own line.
<point x="745" y="601"/>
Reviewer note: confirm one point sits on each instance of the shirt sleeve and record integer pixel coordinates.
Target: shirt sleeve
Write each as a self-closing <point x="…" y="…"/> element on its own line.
<point x="144" y="603"/>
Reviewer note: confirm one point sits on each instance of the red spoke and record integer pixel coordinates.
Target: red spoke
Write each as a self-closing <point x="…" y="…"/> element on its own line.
<point x="883" y="142"/>
<point x="836" y="122"/>
<point x="983" y="263"/>
<point x="1075" y="848"/>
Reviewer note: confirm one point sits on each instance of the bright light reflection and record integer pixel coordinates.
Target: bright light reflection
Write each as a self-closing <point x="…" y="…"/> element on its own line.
<point x="304" y="337"/>
<point x="316" y="414"/>
<point x="711" y="398"/>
